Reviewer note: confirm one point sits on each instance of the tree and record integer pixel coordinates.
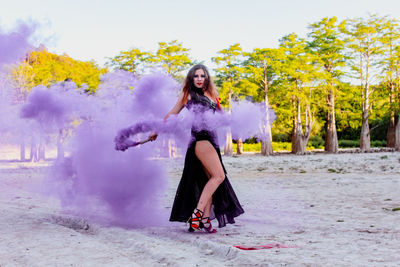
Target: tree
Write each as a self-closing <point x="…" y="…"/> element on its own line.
<point x="41" y="67"/>
<point x="44" y="68"/>
<point x="133" y="60"/>
<point x="328" y="46"/>
<point x="173" y="57"/>
<point x="262" y="67"/>
<point x="229" y="73"/>
<point x="391" y="46"/>
<point x="365" y="37"/>
<point x="298" y="71"/>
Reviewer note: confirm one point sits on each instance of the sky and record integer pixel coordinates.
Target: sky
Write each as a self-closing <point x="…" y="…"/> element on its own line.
<point x="100" y="29"/>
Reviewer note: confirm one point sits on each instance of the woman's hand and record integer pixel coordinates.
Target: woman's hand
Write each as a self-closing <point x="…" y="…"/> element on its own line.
<point x="153" y="136"/>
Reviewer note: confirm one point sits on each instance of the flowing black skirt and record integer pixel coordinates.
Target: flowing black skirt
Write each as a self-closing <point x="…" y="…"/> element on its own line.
<point x="225" y="205"/>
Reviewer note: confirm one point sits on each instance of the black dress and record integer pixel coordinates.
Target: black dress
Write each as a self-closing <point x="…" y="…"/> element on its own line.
<point x="225" y="205"/>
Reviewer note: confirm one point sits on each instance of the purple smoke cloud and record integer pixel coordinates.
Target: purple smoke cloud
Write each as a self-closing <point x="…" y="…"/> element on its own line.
<point x="95" y="180"/>
<point x="100" y="183"/>
<point x="44" y="105"/>
<point x="14" y="45"/>
<point x="103" y="184"/>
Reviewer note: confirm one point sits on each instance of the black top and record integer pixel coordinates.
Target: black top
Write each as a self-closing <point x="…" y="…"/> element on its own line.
<point x="199" y="104"/>
<point x="197" y="97"/>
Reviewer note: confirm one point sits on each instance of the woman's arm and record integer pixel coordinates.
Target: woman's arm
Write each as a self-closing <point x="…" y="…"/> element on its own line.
<point x="180" y="104"/>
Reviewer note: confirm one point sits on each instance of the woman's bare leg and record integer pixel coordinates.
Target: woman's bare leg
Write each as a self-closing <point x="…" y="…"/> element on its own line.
<point x="206" y="153"/>
<point x="207" y="209"/>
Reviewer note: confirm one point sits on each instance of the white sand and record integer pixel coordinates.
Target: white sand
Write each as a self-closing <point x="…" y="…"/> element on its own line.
<point x="336" y="210"/>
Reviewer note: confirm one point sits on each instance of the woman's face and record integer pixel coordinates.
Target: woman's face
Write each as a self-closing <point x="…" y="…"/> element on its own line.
<point x="199" y="78"/>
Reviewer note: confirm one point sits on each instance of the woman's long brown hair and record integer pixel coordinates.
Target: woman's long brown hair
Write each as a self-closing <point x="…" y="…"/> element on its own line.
<point x="208" y="84"/>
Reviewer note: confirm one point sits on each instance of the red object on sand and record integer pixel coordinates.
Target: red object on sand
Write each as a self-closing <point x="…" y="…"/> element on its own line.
<point x="268" y="246"/>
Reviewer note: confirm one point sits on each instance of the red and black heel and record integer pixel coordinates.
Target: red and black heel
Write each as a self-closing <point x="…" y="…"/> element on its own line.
<point x="206" y="224"/>
<point x="195" y="221"/>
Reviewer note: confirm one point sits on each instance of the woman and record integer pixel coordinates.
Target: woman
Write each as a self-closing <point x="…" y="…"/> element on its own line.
<point x="204" y="191"/>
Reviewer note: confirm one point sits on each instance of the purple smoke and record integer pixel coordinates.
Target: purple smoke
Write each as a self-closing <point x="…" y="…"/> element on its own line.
<point x="245" y="121"/>
<point x="100" y="183"/>
<point x="14" y="45"/>
<point x="248" y="119"/>
<point x="95" y="180"/>
<point x="124" y="188"/>
<point x="155" y="95"/>
<point x="45" y="105"/>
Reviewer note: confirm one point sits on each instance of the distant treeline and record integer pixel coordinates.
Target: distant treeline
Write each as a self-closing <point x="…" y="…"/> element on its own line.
<point x="341" y="81"/>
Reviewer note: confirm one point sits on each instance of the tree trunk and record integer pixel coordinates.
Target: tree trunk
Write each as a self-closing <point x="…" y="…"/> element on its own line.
<point x="60" y="146"/>
<point x="397" y="134"/>
<point x="168" y="148"/>
<point x="391" y="135"/>
<point x="228" y="149"/>
<point x="298" y="144"/>
<point x="41" y="154"/>
<point x="266" y="142"/>
<point x="300" y="140"/>
<point x="294" y="127"/>
<point x="34" y="153"/>
<point x="22" y="151"/>
<point x="331" y="140"/>
<point x="365" y="142"/>
<point x="172" y="149"/>
<point x="239" y="147"/>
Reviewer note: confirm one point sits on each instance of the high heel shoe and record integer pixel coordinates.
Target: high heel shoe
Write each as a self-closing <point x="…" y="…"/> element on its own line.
<point x="195" y="220"/>
<point x="206" y="224"/>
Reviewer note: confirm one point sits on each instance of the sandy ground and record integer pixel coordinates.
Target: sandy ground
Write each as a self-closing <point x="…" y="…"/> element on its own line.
<point x="332" y="210"/>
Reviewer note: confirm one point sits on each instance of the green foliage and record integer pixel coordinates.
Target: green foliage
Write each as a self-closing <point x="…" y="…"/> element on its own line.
<point x="356" y="143"/>
<point x="133" y="60"/>
<point x="281" y="137"/>
<point x="276" y="146"/>
<point x="256" y="147"/>
<point x="316" y="142"/>
<point x="299" y="75"/>
<point x="378" y="143"/>
<point x="349" y="143"/>
<point x="281" y="146"/>
<point x="349" y="109"/>
<point x="328" y="45"/>
<point x="229" y="74"/>
<point x="261" y="71"/>
<point x="171" y="56"/>
<point x="44" y="68"/>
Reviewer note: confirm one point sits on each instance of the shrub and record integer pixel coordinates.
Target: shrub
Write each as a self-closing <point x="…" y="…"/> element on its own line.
<point x="252" y="147"/>
<point x="316" y="142"/>
<point x="249" y="147"/>
<point x="378" y="143"/>
<point x="349" y="143"/>
<point x="356" y="143"/>
<point x="252" y="140"/>
<point x="278" y="146"/>
<point x="281" y="137"/>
